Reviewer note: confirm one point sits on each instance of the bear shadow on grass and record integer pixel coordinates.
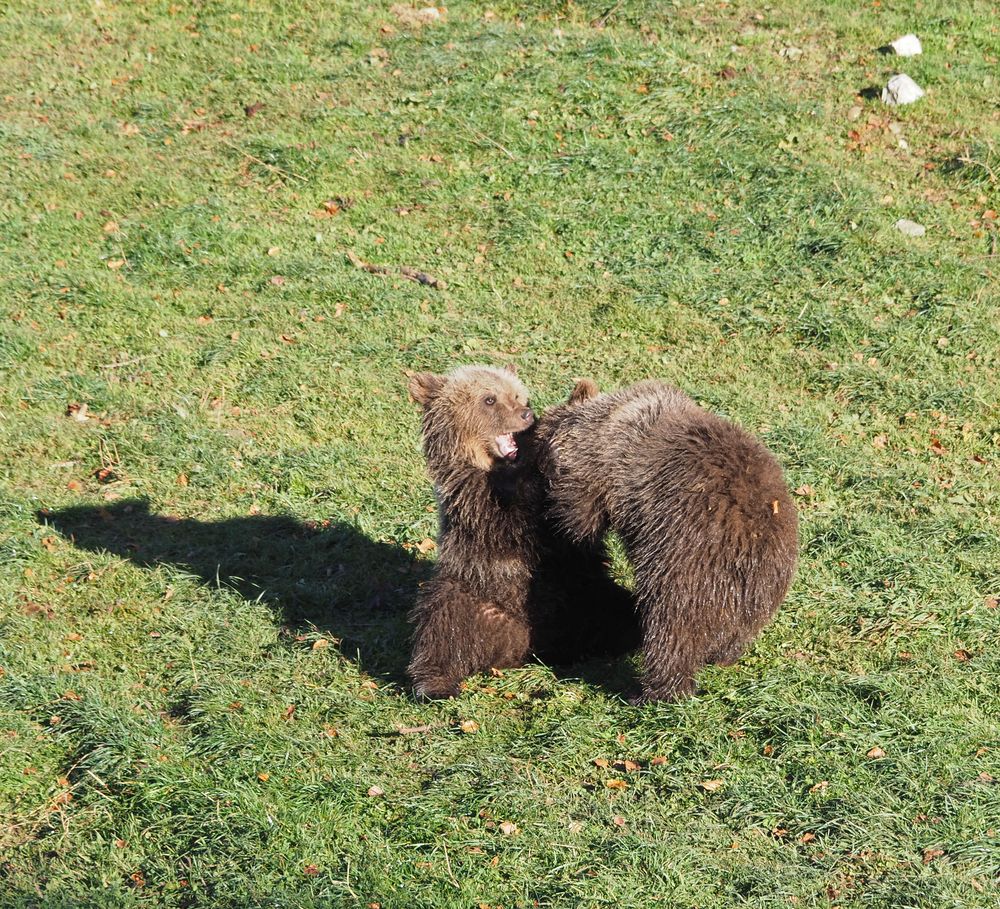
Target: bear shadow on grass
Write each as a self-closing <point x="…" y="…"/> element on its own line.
<point x="326" y="576"/>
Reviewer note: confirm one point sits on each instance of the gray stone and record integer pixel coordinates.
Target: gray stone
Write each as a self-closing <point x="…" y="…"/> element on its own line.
<point x="907" y="46"/>
<point x="910" y="228"/>
<point x="901" y="89"/>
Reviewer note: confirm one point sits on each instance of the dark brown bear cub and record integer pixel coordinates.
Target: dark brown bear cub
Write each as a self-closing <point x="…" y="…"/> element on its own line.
<point x="505" y="586"/>
<point x="701" y="506"/>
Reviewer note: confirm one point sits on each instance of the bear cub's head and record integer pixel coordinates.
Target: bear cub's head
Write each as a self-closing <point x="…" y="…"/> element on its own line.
<point x="474" y="414"/>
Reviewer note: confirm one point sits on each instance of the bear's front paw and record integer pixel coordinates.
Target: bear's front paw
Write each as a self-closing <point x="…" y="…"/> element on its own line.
<point x="436" y="689"/>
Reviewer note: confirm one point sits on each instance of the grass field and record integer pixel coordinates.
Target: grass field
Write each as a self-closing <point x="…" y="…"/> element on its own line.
<point x="213" y="505"/>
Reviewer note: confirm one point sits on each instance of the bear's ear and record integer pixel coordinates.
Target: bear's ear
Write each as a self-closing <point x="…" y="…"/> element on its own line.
<point x="584" y="390"/>
<point x="511" y="367"/>
<point x="425" y="386"/>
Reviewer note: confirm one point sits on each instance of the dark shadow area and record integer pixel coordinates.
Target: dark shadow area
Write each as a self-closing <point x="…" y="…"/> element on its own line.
<point x="614" y="675"/>
<point x="328" y="576"/>
<point x="871" y="93"/>
<point x="324" y="575"/>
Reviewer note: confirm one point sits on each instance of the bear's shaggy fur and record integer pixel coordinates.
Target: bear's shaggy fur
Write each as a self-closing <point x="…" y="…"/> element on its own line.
<point x="701" y="506"/>
<point x="505" y="585"/>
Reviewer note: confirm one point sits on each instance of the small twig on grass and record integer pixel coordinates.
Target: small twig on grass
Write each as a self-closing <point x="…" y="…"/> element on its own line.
<point x="494" y="143"/>
<point x="993" y="247"/>
<point x="412" y="730"/>
<point x="447" y="862"/>
<point x="602" y="20"/>
<point x="271" y="167"/>
<point x="346" y="883"/>
<point x="405" y="270"/>
<point x="965" y="159"/>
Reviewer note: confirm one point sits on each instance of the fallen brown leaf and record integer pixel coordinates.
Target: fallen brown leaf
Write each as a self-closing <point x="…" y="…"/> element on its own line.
<point x="77" y="412"/>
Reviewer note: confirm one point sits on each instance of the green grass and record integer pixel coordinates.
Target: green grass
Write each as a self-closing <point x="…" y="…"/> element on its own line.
<point x="202" y="648"/>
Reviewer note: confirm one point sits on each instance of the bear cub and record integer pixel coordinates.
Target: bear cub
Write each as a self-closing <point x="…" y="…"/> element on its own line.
<point x="702" y="509"/>
<point x="506" y="586"/>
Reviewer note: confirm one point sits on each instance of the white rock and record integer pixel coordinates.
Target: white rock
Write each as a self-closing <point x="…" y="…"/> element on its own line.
<point x="901" y="89"/>
<point x="907" y="46"/>
<point x="910" y="228"/>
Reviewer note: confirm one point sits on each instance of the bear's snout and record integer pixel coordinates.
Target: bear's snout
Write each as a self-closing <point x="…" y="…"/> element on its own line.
<point x="528" y="416"/>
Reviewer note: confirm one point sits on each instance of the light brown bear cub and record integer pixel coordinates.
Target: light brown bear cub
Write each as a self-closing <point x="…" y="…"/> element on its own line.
<point x="701" y="506"/>
<point x="505" y="585"/>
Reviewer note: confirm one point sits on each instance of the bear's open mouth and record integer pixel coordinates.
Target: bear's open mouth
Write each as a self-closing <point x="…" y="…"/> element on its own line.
<point x="507" y="446"/>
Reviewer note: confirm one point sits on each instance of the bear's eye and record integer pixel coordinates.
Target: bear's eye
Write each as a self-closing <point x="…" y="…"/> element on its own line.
<point x="491" y="400"/>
